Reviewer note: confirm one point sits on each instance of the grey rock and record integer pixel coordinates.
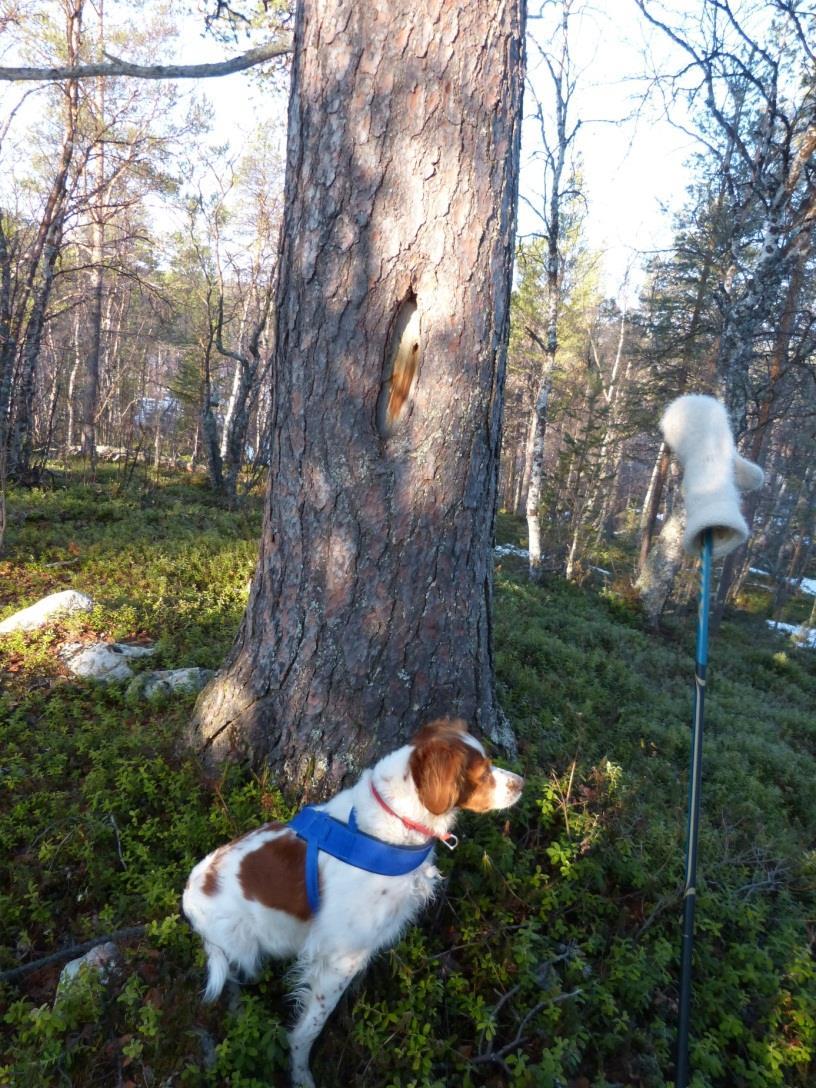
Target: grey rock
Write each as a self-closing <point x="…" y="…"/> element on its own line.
<point x="103" y="661"/>
<point x="47" y="609"/>
<point x="168" y="681"/>
<point x="104" y="958"/>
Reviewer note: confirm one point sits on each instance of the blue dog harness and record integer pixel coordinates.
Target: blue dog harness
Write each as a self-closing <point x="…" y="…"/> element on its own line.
<point x="347" y="843"/>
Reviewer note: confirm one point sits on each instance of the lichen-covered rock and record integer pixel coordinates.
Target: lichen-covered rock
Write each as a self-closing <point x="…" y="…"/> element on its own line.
<point x="147" y="685"/>
<point x="47" y="609"/>
<point x="103" y="661"/>
<point x="103" y="958"/>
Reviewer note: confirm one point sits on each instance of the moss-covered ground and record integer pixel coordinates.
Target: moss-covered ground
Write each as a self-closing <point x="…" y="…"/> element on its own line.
<point x="551" y="958"/>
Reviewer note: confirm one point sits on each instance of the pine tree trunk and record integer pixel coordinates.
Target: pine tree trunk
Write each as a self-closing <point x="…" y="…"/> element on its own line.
<point x="370" y="609"/>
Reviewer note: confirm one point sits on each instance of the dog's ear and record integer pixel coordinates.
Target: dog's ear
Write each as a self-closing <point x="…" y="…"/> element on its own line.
<point x="440" y="727"/>
<point x="438" y="766"/>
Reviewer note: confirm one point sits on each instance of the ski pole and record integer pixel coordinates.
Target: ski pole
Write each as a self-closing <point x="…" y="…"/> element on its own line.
<point x="692" y="836"/>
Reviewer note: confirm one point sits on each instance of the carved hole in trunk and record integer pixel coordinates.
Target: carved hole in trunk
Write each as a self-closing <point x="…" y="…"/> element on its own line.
<point x="401" y="366"/>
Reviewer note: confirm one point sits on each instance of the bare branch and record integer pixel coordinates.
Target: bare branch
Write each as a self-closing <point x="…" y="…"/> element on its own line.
<point x="115" y="67"/>
<point x="128" y="934"/>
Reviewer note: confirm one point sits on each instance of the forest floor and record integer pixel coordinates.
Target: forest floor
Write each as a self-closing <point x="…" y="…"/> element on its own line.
<point x="550" y="958"/>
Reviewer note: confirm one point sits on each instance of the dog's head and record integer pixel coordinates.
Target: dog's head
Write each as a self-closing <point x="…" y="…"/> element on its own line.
<point x="451" y="770"/>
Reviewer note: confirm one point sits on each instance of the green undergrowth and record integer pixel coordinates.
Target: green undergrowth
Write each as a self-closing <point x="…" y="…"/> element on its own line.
<point x="550" y="959"/>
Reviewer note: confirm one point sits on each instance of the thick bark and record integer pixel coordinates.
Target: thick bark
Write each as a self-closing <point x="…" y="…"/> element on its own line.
<point x="370" y="609"/>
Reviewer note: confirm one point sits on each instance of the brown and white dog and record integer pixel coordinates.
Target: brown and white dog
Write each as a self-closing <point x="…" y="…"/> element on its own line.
<point x="248" y="899"/>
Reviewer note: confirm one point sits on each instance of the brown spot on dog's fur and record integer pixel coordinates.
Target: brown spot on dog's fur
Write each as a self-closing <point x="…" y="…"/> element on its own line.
<point x="440" y="727"/>
<point x="437" y="767"/>
<point x="210" y="883"/>
<point x="448" y="772"/>
<point x="439" y="763"/>
<point x="275" y="875"/>
<point x="476" y="791"/>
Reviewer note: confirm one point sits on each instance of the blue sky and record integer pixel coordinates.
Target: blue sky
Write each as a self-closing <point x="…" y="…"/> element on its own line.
<point x="632" y="160"/>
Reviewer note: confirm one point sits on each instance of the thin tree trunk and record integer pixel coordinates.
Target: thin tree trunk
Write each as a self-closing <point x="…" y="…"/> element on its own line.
<point x="792" y="559"/>
<point x="778" y="368"/>
<point x="536" y="478"/>
<point x="209" y="424"/>
<point x="654" y="497"/>
<point x="22" y="433"/>
<point x="35" y="296"/>
<point x="90" y="401"/>
<point x="520" y="500"/>
<point x="656" y="579"/>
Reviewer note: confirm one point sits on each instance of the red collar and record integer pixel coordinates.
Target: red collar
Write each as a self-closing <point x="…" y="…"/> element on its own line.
<point x="447" y="838"/>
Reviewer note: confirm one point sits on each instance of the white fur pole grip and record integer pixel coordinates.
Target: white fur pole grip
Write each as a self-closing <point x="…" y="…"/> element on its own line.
<point x="697" y="430"/>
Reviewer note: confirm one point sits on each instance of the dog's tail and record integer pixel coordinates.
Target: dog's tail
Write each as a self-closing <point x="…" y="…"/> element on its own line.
<point x="218" y="971"/>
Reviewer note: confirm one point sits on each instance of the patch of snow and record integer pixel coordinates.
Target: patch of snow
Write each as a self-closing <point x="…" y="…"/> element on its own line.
<point x="808" y="585"/>
<point x="511" y="549"/>
<point x="756" y="570"/>
<point x="600" y="570"/>
<point x="45" y="610"/>
<point x="801" y="635"/>
<point x="156" y="411"/>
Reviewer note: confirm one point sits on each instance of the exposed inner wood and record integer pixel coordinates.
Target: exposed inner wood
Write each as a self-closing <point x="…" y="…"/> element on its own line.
<point x="402" y="361"/>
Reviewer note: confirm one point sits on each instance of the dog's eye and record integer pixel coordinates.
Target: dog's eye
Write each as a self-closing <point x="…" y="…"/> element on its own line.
<point x="486" y="773"/>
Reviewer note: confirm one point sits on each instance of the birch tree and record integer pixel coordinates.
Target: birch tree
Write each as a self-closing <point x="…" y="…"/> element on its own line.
<point x="557" y="131"/>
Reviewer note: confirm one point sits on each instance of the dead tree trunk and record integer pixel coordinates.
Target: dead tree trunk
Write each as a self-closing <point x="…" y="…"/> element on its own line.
<point x="370" y="609"/>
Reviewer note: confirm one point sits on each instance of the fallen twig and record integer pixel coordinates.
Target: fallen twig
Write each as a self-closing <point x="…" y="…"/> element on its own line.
<point x="67" y="953"/>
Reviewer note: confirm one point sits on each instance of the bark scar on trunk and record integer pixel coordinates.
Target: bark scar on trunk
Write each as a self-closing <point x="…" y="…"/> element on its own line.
<point x="401" y="365"/>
